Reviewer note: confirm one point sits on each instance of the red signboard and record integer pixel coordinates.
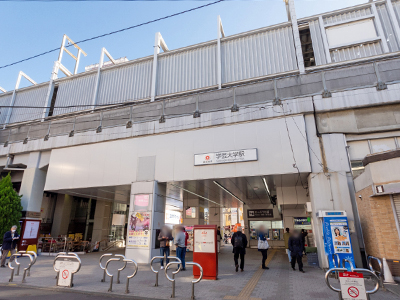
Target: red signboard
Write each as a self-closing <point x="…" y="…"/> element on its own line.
<point x="205" y="251"/>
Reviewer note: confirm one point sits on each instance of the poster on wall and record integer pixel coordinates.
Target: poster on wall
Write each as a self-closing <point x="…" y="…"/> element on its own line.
<point x="141" y="202"/>
<point x="139" y="229"/>
<point x="31" y="230"/>
<point x="341" y="236"/>
<point x="204" y="240"/>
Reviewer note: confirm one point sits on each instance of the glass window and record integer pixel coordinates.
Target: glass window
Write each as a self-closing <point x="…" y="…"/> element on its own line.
<point x="277" y="224"/>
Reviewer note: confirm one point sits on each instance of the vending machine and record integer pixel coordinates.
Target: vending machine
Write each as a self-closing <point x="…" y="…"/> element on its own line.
<point x="337" y="239"/>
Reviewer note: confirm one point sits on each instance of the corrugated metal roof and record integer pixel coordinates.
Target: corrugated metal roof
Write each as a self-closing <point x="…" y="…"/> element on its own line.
<point x="127" y="83"/>
<point x="347" y="16"/>
<point x="317" y="43"/>
<point x="355" y="52"/>
<point x="258" y="54"/>
<point x="187" y="70"/>
<point x="35" y="96"/>
<point x="387" y="27"/>
<point x="75" y="91"/>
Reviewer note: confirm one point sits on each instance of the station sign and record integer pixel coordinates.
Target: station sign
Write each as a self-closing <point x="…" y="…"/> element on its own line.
<point x="225" y="157"/>
<point x="302" y="223"/>
<point x="260" y="213"/>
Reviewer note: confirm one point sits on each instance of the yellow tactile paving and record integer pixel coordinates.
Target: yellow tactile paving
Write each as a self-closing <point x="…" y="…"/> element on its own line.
<point x="251" y="284"/>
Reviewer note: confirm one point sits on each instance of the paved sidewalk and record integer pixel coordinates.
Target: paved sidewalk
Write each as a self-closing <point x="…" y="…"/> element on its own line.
<point x="279" y="282"/>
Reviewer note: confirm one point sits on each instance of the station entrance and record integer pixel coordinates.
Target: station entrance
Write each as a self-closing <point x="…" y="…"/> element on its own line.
<point x="107" y="217"/>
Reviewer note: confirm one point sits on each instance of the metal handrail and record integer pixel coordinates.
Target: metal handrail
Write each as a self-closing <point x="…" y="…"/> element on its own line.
<point x="72" y="256"/>
<point x="101" y="266"/>
<point x="379" y="273"/>
<point x="199" y="279"/>
<point x="130" y="276"/>
<point x="344" y="260"/>
<point x="18" y="264"/>
<point x="353" y="270"/>
<point x="178" y="262"/>
<point x="109" y="274"/>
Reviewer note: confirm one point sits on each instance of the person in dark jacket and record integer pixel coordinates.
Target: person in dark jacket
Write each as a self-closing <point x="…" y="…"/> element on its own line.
<point x="164" y="237"/>
<point x="10" y="241"/>
<point x="239" y="243"/>
<point x="296" y="247"/>
<point x="264" y="252"/>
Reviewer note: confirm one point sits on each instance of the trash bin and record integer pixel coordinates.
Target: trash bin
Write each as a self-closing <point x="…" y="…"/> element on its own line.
<point x="312" y="257"/>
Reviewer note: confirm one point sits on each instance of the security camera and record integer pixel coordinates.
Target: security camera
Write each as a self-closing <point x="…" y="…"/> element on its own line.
<point x="359" y="196"/>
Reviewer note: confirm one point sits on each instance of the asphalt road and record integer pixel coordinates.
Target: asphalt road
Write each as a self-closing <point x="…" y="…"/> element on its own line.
<point x="19" y="292"/>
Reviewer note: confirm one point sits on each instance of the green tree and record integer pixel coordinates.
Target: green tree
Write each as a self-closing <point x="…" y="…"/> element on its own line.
<point x="10" y="206"/>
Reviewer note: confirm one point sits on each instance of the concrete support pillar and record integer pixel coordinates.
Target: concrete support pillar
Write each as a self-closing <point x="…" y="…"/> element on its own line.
<point x="156" y="208"/>
<point x="102" y="218"/>
<point x="32" y="185"/>
<point x="62" y="215"/>
<point x="329" y="186"/>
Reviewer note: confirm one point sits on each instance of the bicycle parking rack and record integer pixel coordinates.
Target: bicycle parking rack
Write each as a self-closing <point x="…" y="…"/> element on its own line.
<point x="178" y="262"/>
<point x="16" y="255"/>
<point x="198" y="279"/>
<point x="352" y="270"/>
<point x="101" y="266"/>
<point x="67" y="257"/>
<point x="152" y="269"/>
<point x="379" y="273"/>
<point x="109" y="274"/>
<point x="130" y="261"/>
<point x="34" y="260"/>
<point x="120" y="258"/>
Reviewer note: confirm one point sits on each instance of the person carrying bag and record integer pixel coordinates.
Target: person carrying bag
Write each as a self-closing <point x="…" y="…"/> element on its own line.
<point x="263" y="246"/>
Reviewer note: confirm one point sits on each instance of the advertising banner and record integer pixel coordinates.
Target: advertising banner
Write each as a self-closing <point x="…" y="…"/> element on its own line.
<point x="337" y="239"/>
<point x="139" y="230"/>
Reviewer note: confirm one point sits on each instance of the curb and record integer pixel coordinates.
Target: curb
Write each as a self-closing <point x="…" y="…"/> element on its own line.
<point x="69" y="290"/>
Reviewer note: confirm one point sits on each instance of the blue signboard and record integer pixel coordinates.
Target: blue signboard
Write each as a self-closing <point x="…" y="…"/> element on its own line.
<point x="337" y="239"/>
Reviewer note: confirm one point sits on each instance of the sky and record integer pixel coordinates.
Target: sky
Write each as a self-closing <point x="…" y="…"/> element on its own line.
<point x="28" y="28"/>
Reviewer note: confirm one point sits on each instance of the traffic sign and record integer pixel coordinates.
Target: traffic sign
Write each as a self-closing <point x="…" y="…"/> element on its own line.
<point x="352" y="286"/>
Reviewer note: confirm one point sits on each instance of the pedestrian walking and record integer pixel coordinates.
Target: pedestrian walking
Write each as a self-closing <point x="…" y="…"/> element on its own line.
<point x="10" y="240"/>
<point x="263" y="246"/>
<point x="180" y="245"/>
<point x="286" y="237"/>
<point x="296" y="247"/>
<point x="165" y="237"/>
<point x="239" y="243"/>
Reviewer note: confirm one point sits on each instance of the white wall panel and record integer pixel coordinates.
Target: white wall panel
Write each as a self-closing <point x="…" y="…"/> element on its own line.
<point x="387" y="27"/>
<point x="355" y="52"/>
<point x="4" y="101"/>
<point x="258" y="54"/>
<point x="125" y="83"/>
<point x="34" y="96"/>
<point x="75" y="91"/>
<point x="347" y="16"/>
<point x="187" y="70"/>
<point x="77" y="167"/>
<point x="317" y="43"/>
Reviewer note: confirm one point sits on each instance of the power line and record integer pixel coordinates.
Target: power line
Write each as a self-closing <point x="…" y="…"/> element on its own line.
<point x="114" y="32"/>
